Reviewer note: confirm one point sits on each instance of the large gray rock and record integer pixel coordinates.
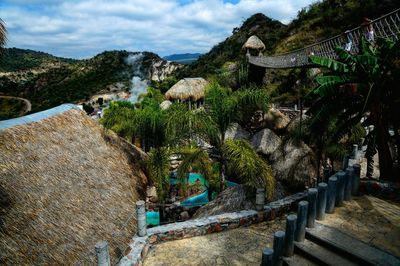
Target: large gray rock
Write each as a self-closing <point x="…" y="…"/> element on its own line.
<point x="294" y="164"/>
<point x="230" y="200"/>
<point x="236" y="132"/>
<point x="266" y="141"/>
<point x="295" y="122"/>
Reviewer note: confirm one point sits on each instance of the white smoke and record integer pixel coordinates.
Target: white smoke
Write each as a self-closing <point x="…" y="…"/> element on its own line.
<point x="138" y="85"/>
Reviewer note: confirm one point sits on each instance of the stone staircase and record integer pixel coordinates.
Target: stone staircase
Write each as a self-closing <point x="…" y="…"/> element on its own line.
<point x="325" y="245"/>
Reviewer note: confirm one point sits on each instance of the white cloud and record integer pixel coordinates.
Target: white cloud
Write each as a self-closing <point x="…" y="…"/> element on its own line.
<point x="83" y="28"/>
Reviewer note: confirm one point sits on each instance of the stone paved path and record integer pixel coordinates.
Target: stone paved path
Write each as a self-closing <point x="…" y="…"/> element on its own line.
<point x="367" y="218"/>
<point x="241" y="246"/>
<point x="371" y="220"/>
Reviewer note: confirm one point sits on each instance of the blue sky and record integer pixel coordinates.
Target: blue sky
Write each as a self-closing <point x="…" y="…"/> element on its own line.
<point x="84" y="28"/>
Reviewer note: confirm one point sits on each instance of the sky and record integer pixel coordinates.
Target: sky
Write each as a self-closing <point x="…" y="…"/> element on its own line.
<point x="84" y="28"/>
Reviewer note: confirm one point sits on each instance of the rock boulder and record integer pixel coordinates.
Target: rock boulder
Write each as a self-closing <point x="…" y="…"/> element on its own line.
<point x="236" y="132"/>
<point x="294" y="164"/>
<point x="266" y="141"/>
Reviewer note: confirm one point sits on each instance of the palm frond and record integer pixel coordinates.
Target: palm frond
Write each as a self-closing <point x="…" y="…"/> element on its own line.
<point x="245" y="164"/>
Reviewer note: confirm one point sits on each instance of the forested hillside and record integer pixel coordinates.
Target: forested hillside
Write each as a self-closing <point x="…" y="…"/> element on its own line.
<point x="314" y="23"/>
<point x="48" y="81"/>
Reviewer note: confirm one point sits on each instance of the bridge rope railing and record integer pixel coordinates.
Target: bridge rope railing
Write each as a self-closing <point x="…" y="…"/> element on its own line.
<point x="386" y="26"/>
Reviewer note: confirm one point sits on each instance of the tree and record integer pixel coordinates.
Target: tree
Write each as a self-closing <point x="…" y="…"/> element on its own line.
<point x="356" y="86"/>
<point x="3" y="35"/>
<point x="222" y="108"/>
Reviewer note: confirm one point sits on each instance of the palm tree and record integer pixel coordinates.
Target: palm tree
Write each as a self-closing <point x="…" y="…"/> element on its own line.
<point x="223" y="108"/>
<point x="159" y="129"/>
<point x="357" y="86"/>
<point x="3" y="34"/>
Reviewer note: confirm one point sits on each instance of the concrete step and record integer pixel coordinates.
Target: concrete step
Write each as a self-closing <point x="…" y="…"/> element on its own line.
<point x="320" y="254"/>
<point x="350" y="247"/>
<point x="297" y="260"/>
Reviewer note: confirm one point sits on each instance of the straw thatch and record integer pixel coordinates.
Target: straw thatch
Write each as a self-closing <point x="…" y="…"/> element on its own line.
<point x="188" y="88"/>
<point x="165" y="105"/>
<point x="65" y="184"/>
<point x="254" y="43"/>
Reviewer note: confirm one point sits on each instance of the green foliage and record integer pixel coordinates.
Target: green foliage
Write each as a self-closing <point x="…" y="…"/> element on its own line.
<point x="63" y="80"/>
<point x="15" y="59"/>
<point x="356" y="86"/>
<point x="3" y="35"/>
<point x="165" y="84"/>
<point x="157" y="166"/>
<point x="247" y="166"/>
<point x="196" y="160"/>
<point x="151" y="96"/>
<point x="11" y="108"/>
<point x="268" y="30"/>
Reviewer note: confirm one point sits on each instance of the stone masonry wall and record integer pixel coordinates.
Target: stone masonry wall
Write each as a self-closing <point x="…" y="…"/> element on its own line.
<point x="139" y="246"/>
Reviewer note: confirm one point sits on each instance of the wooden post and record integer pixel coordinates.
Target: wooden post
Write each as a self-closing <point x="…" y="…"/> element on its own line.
<point x="267" y="257"/>
<point x="141" y="218"/>
<point x="348" y="183"/>
<point x="332" y="184"/>
<point x="340" y="188"/>
<point x="102" y="253"/>
<point x="355" y="183"/>
<point x="279" y="240"/>
<point x="260" y="199"/>
<point x="321" y="203"/>
<point x="302" y="211"/>
<point x="289" y="235"/>
<point x="312" y="207"/>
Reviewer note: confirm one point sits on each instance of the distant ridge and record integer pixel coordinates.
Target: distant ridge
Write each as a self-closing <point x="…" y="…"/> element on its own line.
<point x="183" y="58"/>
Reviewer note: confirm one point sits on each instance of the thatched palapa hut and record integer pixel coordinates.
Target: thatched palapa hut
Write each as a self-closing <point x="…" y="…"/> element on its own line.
<point x="254" y="45"/>
<point x="65" y="184"/>
<point x="189" y="90"/>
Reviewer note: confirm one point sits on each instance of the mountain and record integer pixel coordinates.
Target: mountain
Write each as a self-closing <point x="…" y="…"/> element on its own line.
<point x="320" y="20"/>
<point x="183" y="58"/>
<point x="14" y="59"/>
<point x="48" y="81"/>
<point x="269" y="30"/>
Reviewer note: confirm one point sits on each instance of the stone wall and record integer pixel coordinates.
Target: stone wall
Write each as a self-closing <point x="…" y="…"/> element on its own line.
<point x="139" y="246"/>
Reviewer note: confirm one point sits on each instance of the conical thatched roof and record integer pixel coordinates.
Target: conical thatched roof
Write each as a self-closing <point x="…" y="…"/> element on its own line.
<point x="65" y="184"/>
<point x="187" y="88"/>
<point x="254" y="43"/>
<point x="165" y="105"/>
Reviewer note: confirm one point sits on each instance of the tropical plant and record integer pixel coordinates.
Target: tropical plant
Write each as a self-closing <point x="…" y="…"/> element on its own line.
<point x="251" y="169"/>
<point x="223" y="108"/>
<point x="157" y="166"/>
<point x="356" y="86"/>
<point x="3" y="40"/>
<point x="3" y="34"/>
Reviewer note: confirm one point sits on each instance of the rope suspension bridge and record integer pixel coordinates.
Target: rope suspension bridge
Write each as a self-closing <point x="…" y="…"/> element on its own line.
<point x="387" y="26"/>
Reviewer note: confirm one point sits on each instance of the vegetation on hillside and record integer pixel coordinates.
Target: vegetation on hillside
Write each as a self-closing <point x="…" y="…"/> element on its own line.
<point x="10" y="108"/>
<point x="64" y="80"/>
<point x="14" y="59"/>
<point x="269" y="30"/>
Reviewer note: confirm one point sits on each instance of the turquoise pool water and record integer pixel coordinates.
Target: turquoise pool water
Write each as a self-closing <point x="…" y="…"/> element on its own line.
<point x="153" y="218"/>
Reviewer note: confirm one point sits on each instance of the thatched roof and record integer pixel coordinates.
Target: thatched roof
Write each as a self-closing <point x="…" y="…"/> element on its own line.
<point x="165" y="105"/>
<point x="254" y="43"/>
<point x="65" y="184"/>
<point x="187" y="88"/>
